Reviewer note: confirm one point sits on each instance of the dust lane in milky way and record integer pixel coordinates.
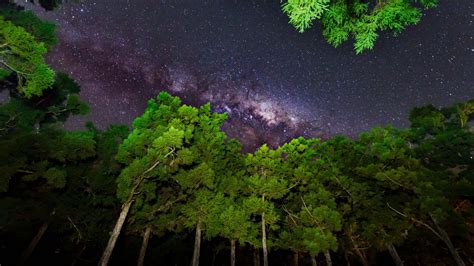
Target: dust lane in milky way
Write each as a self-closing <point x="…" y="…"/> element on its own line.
<point x="244" y="57"/>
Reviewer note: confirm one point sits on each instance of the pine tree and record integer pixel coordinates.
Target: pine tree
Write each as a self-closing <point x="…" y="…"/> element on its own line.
<point x="21" y="54"/>
<point x="363" y="20"/>
<point x="443" y="140"/>
<point x="265" y="182"/>
<point x="43" y="31"/>
<point x="170" y="141"/>
<point x="311" y="211"/>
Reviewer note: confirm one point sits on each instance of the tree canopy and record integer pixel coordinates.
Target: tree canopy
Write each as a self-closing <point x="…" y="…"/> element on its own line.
<point x="22" y="54"/>
<point x="361" y="20"/>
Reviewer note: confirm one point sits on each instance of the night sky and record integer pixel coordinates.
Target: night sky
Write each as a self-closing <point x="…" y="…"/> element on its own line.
<point x="246" y="59"/>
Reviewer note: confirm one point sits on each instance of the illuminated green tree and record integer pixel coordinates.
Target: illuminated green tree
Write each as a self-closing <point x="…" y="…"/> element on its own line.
<point x="21" y="54"/>
<point x="43" y="31"/>
<point x="362" y="19"/>
<point x="311" y="215"/>
<point x="170" y="143"/>
<point x="265" y="182"/>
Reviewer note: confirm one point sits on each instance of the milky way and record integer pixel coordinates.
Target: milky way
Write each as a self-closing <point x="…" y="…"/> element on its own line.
<point x="243" y="56"/>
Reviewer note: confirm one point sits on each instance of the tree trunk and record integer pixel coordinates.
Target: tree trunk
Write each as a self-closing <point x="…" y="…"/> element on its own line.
<point x="115" y="233"/>
<point x="78" y="255"/>
<point x="146" y="237"/>
<point x="444" y="236"/>
<point x="394" y="254"/>
<point x="34" y="242"/>
<point x="232" y="252"/>
<point x="264" y="242"/>
<point x="347" y="259"/>
<point x="197" y="244"/>
<point x="362" y="257"/>
<point x="256" y="257"/>
<point x="295" y="259"/>
<point x="327" y="255"/>
<point x="313" y="261"/>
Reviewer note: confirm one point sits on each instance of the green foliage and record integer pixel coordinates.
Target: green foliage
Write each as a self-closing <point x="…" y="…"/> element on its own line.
<point x="22" y="54"/>
<point x="303" y="12"/>
<point x="428" y="3"/>
<point x="337" y="24"/>
<point x="265" y="174"/>
<point x="230" y="219"/>
<point x="311" y="212"/>
<point x="3" y="74"/>
<point x="55" y="177"/>
<point x="172" y="155"/>
<point x="465" y="111"/>
<point x="363" y="20"/>
<point x="395" y="179"/>
<point x="445" y="142"/>
<point x="43" y="31"/>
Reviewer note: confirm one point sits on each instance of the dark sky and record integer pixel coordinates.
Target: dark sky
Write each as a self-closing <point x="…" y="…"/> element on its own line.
<point x="244" y="57"/>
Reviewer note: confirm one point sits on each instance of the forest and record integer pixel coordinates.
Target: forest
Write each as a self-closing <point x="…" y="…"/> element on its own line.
<point x="176" y="190"/>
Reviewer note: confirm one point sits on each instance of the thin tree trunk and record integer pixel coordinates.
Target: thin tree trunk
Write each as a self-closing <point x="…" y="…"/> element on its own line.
<point x="347" y="259"/>
<point x="146" y="237"/>
<point x="295" y="259"/>
<point x="313" y="261"/>
<point x="78" y="255"/>
<point x="394" y="254"/>
<point x="445" y="237"/>
<point x="104" y="260"/>
<point x="232" y="252"/>
<point x="34" y="242"/>
<point x="197" y="244"/>
<point x="362" y="257"/>
<point x="264" y="238"/>
<point x="256" y="257"/>
<point x="359" y="253"/>
<point x="115" y="233"/>
<point x="327" y="255"/>
<point x="264" y="242"/>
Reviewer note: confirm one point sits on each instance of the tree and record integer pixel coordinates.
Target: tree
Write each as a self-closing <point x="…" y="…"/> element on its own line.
<point x="37" y="169"/>
<point x="363" y="188"/>
<point x="302" y="13"/>
<point x="265" y="181"/>
<point x="43" y="31"/>
<point x="88" y="204"/>
<point x="231" y="220"/>
<point x="22" y="54"/>
<point x="311" y="211"/>
<point x="465" y="111"/>
<point x="166" y="139"/>
<point x="28" y="132"/>
<point x="361" y="19"/>
<point x="205" y="170"/>
<point x="443" y="141"/>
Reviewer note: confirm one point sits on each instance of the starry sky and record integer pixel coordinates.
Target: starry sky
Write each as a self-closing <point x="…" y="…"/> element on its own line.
<point x="245" y="58"/>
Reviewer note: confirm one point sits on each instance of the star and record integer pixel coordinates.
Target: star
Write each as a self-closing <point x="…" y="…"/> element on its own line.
<point x="246" y="60"/>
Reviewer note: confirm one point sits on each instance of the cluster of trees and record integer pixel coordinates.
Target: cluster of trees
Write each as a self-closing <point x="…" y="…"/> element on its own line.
<point x="177" y="173"/>
<point x="178" y="180"/>
<point x="360" y="19"/>
<point x="308" y="196"/>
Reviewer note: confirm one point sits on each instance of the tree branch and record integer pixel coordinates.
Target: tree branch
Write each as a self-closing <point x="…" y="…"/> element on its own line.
<point x="415" y="220"/>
